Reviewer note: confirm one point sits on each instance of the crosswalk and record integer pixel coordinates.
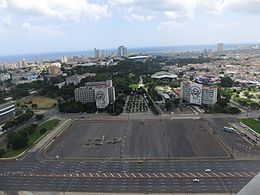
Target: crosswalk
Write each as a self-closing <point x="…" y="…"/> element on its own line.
<point x="130" y="175"/>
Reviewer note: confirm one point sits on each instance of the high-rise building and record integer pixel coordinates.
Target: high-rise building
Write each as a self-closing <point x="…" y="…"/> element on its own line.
<point x="64" y="59"/>
<point x="122" y="51"/>
<point x="22" y="64"/>
<point x="198" y="94"/>
<point x="96" y="53"/>
<point x="101" y="93"/>
<point x="220" y="48"/>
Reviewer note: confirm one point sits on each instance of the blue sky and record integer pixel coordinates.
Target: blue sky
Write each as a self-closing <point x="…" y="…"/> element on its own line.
<point x="35" y="26"/>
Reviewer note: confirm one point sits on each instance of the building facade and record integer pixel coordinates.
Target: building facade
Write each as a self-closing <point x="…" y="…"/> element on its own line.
<point x="122" y="51"/>
<point x="101" y="93"/>
<point x="7" y="111"/>
<point x="198" y="94"/>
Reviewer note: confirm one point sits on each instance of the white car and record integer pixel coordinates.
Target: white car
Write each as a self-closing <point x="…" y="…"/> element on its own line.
<point x="207" y="170"/>
<point x="196" y="180"/>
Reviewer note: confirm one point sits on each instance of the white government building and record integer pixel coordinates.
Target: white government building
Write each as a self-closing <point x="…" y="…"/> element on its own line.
<point x="101" y="93"/>
<point x="198" y="94"/>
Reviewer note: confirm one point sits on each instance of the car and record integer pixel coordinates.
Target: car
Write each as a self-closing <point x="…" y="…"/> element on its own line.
<point x="207" y="170"/>
<point x="57" y="157"/>
<point x="196" y="180"/>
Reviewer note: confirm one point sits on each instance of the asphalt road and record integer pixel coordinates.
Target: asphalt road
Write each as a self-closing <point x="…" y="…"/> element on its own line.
<point x="161" y="176"/>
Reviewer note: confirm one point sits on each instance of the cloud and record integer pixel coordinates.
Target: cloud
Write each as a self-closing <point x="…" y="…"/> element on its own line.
<point x="174" y="9"/>
<point x="66" y="10"/>
<point x="27" y="26"/>
<point x="3" y="4"/>
<point x="242" y="6"/>
<point x="141" y="18"/>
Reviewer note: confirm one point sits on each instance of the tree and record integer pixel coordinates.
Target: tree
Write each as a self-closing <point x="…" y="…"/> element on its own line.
<point x="34" y="106"/>
<point x="226" y="82"/>
<point x="168" y="105"/>
<point x="39" y="116"/>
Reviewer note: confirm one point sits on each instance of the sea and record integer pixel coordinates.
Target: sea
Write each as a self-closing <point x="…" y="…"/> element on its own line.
<point x="90" y="53"/>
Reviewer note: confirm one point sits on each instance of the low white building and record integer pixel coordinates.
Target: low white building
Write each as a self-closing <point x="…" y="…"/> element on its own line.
<point x="101" y="93"/>
<point x="163" y="75"/>
<point x="5" y="77"/>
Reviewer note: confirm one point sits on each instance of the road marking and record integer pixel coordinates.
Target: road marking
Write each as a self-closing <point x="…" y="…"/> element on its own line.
<point x="231" y="174"/>
<point x="208" y="175"/>
<point x="98" y="175"/>
<point x="238" y="174"/>
<point x="170" y="174"/>
<point x="119" y="175"/>
<point x="252" y="173"/>
<point x="148" y="175"/>
<point x="246" y="174"/>
<point x="177" y="174"/>
<point x="215" y="174"/>
<point x="126" y="175"/>
<point x="91" y="175"/>
<point x="140" y="174"/>
<point x="163" y="175"/>
<point x="84" y="174"/>
<point x="200" y="175"/>
<point x="155" y="175"/>
<point x="77" y="174"/>
<point x="193" y="175"/>
<point x="223" y="174"/>
<point x="133" y="175"/>
<point x="112" y="175"/>
<point x="185" y="175"/>
<point x="104" y="174"/>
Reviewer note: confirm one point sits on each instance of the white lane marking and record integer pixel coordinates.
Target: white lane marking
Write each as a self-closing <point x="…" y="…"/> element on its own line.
<point x="90" y="175"/>
<point x="177" y="174"/>
<point x="155" y="175"/>
<point x="119" y="175"/>
<point x="170" y="174"/>
<point x="77" y="174"/>
<point x="133" y="175"/>
<point x="71" y="175"/>
<point x="193" y="175"/>
<point x="104" y="174"/>
<point x="140" y="174"/>
<point x="230" y="174"/>
<point x="148" y="175"/>
<point x="84" y="174"/>
<point x="162" y="175"/>
<point x="98" y="175"/>
<point x="238" y="174"/>
<point x="126" y="175"/>
<point x="246" y="174"/>
<point x="185" y="175"/>
<point x="112" y="175"/>
<point x="215" y="174"/>
<point x="200" y="175"/>
<point x="252" y="173"/>
<point x="223" y="174"/>
<point x="208" y="175"/>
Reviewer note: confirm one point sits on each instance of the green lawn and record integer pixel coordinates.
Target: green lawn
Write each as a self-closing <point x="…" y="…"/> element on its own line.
<point x="12" y="153"/>
<point x="134" y="86"/>
<point x="252" y="123"/>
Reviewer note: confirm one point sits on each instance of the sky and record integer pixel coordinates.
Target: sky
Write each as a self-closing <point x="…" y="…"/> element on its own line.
<point x="37" y="26"/>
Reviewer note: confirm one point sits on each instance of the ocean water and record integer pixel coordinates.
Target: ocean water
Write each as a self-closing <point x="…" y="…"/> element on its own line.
<point x="88" y="53"/>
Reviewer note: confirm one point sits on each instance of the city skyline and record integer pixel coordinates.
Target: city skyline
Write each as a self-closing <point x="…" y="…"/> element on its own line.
<point x="66" y="25"/>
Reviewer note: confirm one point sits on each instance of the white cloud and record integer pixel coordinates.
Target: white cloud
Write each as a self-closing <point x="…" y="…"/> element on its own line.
<point x="27" y="26"/>
<point x="67" y="10"/>
<point x="169" y="8"/>
<point x="243" y="6"/>
<point x="136" y="17"/>
<point x="3" y="4"/>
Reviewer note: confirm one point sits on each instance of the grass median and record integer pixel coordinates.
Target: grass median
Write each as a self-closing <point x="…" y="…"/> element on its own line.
<point x="252" y="123"/>
<point x="33" y="136"/>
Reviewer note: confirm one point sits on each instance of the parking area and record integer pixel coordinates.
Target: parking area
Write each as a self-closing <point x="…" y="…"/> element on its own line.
<point x="233" y="140"/>
<point x="137" y="139"/>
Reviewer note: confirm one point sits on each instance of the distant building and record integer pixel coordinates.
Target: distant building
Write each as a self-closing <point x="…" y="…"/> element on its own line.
<point x="5" y="77"/>
<point x="97" y="53"/>
<point x="75" y="79"/>
<point x="220" y="47"/>
<point x="22" y="64"/>
<point x="198" y="94"/>
<point x="101" y="93"/>
<point x="7" y="111"/>
<point x="166" y="76"/>
<point x="64" y="59"/>
<point x="122" y="51"/>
